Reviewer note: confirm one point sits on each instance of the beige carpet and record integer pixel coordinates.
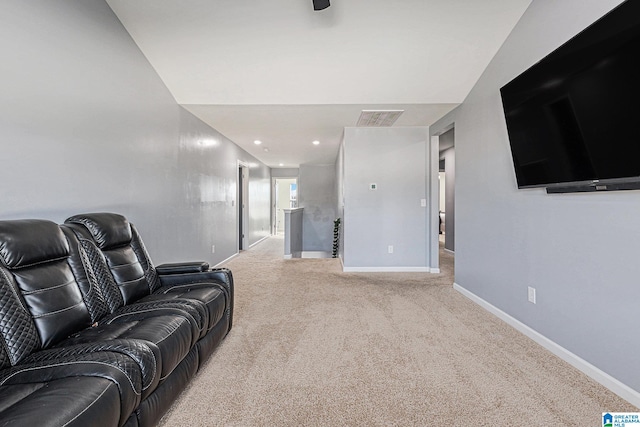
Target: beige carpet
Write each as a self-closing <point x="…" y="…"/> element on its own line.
<point x="312" y="346"/>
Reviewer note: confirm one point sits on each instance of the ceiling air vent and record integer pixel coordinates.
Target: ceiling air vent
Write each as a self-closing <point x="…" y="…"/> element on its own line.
<point x="378" y="118"/>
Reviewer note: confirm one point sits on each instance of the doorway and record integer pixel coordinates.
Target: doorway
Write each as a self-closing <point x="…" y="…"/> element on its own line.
<point x="447" y="165"/>
<point x="285" y="196"/>
<point x="243" y="206"/>
<point x="442" y="203"/>
<point x="442" y="198"/>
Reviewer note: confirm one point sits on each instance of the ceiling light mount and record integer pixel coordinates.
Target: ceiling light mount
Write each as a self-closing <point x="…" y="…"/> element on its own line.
<point x="320" y="4"/>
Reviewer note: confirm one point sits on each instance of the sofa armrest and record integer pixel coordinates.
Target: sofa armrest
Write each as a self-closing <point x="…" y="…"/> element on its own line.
<point x="218" y="277"/>
<point x="215" y="275"/>
<point x="182" y="267"/>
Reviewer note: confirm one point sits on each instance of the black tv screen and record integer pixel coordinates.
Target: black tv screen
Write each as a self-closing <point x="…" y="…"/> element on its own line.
<point x="574" y="117"/>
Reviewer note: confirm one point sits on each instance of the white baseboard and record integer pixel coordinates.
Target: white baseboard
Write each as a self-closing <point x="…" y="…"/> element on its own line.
<point x="315" y="254"/>
<point x="434" y="270"/>
<point x="293" y="255"/>
<point x="385" y="269"/>
<point x="616" y="386"/>
<point x="226" y="260"/>
<point x="264" y="238"/>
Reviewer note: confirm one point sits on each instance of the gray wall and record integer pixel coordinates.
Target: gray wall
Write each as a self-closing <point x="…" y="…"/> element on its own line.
<point x="396" y="160"/>
<point x="87" y="125"/>
<point x="316" y="194"/>
<point x="284" y="172"/>
<point x="579" y="251"/>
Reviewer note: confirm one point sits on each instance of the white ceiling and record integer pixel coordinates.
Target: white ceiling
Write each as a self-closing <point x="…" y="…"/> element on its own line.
<point x="282" y="73"/>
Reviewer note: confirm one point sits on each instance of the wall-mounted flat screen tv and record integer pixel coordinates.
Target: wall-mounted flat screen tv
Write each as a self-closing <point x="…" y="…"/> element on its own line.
<point x="573" y="118"/>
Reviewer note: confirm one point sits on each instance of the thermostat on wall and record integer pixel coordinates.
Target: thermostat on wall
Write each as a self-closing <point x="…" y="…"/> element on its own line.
<point x="373" y="186"/>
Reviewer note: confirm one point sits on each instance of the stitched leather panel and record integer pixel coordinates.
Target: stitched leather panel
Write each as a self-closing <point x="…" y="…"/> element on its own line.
<point x="92" y="364"/>
<point x="53" y="298"/>
<point x="220" y="277"/>
<point x="68" y="402"/>
<point x="207" y="297"/>
<point x="145" y="260"/>
<point x="137" y="350"/>
<point x="118" y="368"/>
<point x="195" y="309"/>
<point x="26" y="242"/>
<point x="82" y="270"/>
<point x="107" y="229"/>
<point x="104" y="280"/>
<point x="4" y="355"/>
<point x="18" y="334"/>
<point x="128" y="273"/>
<point x="171" y="333"/>
<point x="9" y="397"/>
<point x="146" y="309"/>
<point x="94" y="297"/>
<point x="213" y="299"/>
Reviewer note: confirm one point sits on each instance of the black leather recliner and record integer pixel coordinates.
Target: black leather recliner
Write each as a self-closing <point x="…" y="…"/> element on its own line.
<point x="36" y="377"/>
<point x="124" y="254"/>
<point x="77" y="321"/>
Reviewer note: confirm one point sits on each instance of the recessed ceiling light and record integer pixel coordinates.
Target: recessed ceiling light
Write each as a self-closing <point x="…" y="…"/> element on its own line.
<point x="266" y="150"/>
<point x="280" y="164"/>
<point x="316" y="142"/>
<point x="257" y="142"/>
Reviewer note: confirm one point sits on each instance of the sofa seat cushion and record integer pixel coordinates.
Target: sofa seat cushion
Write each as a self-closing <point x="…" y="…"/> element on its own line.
<point x="196" y="309"/>
<point x="145" y="354"/>
<point x="73" y="401"/>
<point x="20" y="387"/>
<point x="210" y="296"/>
<point x="172" y="335"/>
<point x="218" y="278"/>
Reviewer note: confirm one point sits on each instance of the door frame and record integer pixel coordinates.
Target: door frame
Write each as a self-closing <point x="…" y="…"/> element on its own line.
<point x="242" y="216"/>
<point x="434" y="199"/>
<point x="274" y="207"/>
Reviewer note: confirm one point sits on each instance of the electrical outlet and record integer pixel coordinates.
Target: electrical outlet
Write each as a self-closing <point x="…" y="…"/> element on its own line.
<point x="213" y="249"/>
<point x="532" y="294"/>
<point x="390" y="249"/>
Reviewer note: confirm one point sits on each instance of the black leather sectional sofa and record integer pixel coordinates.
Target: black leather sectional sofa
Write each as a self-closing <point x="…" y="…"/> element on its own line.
<point x="91" y="333"/>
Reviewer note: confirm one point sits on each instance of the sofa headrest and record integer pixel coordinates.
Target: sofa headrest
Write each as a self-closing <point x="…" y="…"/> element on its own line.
<point x="26" y="242"/>
<point x="109" y="230"/>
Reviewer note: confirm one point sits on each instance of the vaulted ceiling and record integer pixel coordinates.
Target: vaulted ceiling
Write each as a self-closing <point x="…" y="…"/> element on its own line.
<point x="287" y="75"/>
